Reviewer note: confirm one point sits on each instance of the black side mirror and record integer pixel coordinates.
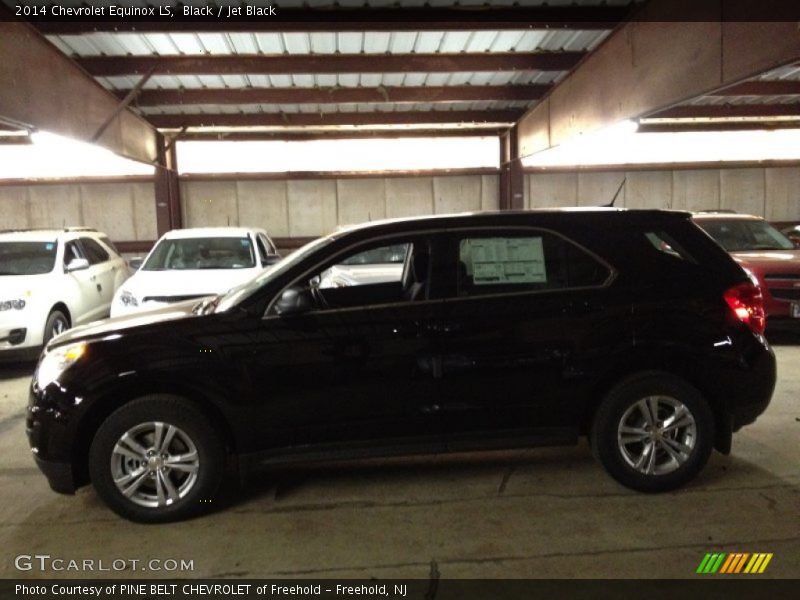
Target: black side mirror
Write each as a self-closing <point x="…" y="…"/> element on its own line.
<point x="294" y="301"/>
<point x="272" y="259"/>
<point x="136" y="263"/>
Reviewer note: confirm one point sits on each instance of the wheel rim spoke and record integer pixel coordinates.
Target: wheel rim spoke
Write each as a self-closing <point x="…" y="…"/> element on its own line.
<point x="137" y="483"/>
<point x="167" y="439"/>
<point x="131" y="448"/>
<point x="631" y="435"/>
<point x="668" y="449"/>
<point x="182" y="462"/>
<point x="169" y="486"/>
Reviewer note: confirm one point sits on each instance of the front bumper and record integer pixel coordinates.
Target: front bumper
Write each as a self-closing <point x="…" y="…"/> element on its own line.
<point x="59" y="475"/>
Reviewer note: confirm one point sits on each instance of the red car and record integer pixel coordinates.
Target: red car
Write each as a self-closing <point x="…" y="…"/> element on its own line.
<point x="768" y="254"/>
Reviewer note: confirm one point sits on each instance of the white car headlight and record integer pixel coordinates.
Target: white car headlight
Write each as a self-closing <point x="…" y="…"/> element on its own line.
<point x="15" y="304"/>
<point x="128" y="299"/>
<point x="58" y="360"/>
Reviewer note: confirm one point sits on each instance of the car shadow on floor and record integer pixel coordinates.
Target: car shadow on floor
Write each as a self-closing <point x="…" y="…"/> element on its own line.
<point x="783" y="338"/>
<point x="15" y="370"/>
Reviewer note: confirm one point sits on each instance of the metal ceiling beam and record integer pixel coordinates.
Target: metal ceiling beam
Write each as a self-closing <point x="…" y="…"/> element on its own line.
<point x="369" y="19"/>
<point x="43" y="89"/>
<point x="728" y="111"/>
<point x="277" y="64"/>
<point x="290" y="136"/>
<point x="786" y="87"/>
<point x="706" y="126"/>
<point x="346" y="118"/>
<point x="631" y="75"/>
<point x="454" y="93"/>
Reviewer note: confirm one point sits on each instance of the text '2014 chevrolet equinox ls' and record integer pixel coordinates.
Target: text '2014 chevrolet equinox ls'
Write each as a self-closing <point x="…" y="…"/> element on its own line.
<point x="501" y="330"/>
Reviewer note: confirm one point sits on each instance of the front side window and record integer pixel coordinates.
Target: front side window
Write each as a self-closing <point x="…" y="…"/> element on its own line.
<point x="72" y="251"/>
<point x="525" y="262"/>
<point x="202" y="253"/>
<point x="27" y="258"/>
<point x="743" y="235"/>
<point x="377" y="265"/>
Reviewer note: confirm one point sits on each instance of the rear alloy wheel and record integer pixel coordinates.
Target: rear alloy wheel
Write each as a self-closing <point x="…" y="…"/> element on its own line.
<point x="653" y="432"/>
<point x="157" y="459"/>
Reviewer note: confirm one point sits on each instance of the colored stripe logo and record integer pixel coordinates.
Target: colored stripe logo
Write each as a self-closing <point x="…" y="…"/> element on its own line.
<point x="736" y="562"/>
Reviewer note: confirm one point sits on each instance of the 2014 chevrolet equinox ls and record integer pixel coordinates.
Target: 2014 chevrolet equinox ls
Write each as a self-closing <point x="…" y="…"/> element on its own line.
<point x="502" y="330"/>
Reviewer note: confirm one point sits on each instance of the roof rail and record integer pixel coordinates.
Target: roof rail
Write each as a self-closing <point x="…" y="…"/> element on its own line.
<point x="712" y="211"/>
<point x="79" y="229"/>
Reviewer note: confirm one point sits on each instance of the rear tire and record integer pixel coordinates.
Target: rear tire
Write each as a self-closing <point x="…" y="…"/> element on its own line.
<point x="57" y="323"/>
<point x="157" y="459"/>
<point x="653" y="432"/>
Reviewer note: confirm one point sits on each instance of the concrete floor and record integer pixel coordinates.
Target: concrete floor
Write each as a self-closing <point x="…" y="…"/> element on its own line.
<point x="540" y="513"/>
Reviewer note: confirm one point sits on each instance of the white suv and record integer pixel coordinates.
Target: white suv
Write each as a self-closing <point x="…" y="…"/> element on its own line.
<point x="193" y="263"/>
<point x="51" y="280"/>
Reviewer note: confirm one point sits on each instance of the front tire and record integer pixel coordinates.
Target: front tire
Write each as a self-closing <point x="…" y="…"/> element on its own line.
<point x="56" y="324"/>
<point x="653" y="432"/>
<point x="157" y="459"/>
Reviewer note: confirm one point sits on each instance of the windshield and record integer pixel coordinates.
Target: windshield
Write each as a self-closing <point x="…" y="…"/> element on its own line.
<point x="235" y="295"/>
<point x="183" y="254"/>
<point x="739" y="235"/>
<point x="27" y="258"/>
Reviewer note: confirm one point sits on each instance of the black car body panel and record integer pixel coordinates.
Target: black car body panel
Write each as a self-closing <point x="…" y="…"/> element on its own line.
<point x="442" y="372"/>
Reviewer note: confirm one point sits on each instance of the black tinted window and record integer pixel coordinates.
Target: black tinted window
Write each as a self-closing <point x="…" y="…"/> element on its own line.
<point x="95" y="253"/>
<point x="27" y="258"/>
<point x="110" y="245"/>
<point x="262" y="250"/>
<point x="524" y="262"/>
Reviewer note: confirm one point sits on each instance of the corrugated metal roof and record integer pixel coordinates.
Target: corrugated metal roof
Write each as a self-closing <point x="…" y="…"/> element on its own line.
<point x="366" y="42"/>
<point x="743" y="100"/>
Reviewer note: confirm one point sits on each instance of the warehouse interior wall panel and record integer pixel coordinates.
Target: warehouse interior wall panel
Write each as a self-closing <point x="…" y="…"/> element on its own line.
<point x="144" y="211"/>
<point x="743" y="190"/>
<point x="456" y="194"/>
<point x="407" y="197"/>
<point x="782" y="194"/>
<point x="360" y="200"/>
<point x="312" y="207"/>
<point x="597" y="188"/>
<point x="263" y="204"/>
<point x="695" y="189"/>
<point x="771" y="192"/>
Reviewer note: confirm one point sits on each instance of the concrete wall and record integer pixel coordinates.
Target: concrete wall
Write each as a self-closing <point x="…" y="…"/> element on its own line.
<point x="124" y="210"/>
<point x="773" y="193"/>
<point x="311" y="207"/>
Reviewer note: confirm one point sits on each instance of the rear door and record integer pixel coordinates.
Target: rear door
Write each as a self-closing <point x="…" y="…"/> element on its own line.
<point x="504" y="345"/>
<point x="103" y="269"/>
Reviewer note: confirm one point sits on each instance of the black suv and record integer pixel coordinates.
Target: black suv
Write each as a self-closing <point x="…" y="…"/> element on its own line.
<point x="496" y="330"/>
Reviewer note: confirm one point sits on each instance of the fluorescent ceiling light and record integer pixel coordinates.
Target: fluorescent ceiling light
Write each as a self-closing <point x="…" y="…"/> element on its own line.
<point x="56" y="156"/>
<point x="373" y="154"/>
<point x="621" y="145"/>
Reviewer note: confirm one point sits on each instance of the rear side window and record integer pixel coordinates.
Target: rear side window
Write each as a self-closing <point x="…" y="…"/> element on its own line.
<point x="262" y="250"/>
<point x="667" y="245"/>
<point x="107" y="242"/>
<point x="524" y="262"/>
<point x="94" y="251"/>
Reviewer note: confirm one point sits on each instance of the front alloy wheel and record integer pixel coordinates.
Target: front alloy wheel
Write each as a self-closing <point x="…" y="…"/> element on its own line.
<point x="157" y="458"/>
<point x="155" y="464"/>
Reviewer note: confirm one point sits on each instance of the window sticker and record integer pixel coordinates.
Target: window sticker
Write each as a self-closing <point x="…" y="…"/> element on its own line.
<point x="493" y="261"/>
<point x="48" y="246"/>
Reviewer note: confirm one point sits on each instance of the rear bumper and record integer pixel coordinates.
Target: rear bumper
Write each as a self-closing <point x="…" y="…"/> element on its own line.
<point x="59" y="475"/>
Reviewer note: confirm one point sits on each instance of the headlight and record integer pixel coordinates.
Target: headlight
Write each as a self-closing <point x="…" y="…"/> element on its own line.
<point x="58" y="360"/>
<point x="128" y="299"/>
<point x="16" y="304"/>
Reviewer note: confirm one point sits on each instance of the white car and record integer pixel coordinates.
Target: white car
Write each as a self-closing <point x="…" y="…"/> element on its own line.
<point x="51" y="280"/>
<point x="192" y="263"/>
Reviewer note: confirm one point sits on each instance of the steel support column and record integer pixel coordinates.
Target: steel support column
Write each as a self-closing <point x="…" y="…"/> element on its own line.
<point x="167" y="188"/>
<point x="512" y="178"/>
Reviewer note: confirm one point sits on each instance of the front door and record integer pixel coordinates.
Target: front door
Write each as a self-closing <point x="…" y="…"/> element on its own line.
<point x="356" y="372"/>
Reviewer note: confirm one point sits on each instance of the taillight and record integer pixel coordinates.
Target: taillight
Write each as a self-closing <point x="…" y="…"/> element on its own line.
<point x="747" y="305"/>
